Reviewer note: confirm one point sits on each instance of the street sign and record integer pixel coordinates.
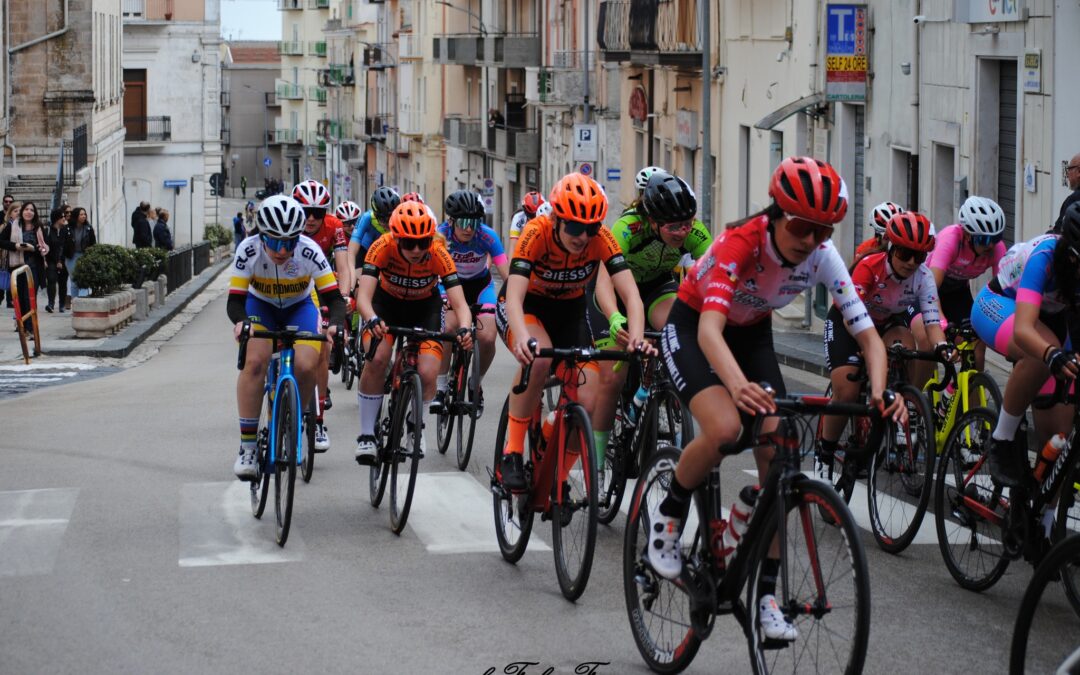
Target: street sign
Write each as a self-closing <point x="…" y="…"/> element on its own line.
<point x="586" y="143"/>
<point x="846" y="58"/>
<point x="348" y="188"/>
<point x="489" y="204"/>
<point x="489" y="188"/>
<point x="266" y="162"/>
<point x="614" y="174"/>
<point x="176" y="182"/>
<point x="585" y="169"/>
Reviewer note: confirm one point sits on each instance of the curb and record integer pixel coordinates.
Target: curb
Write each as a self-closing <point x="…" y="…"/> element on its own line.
<point x="120" y="345"/>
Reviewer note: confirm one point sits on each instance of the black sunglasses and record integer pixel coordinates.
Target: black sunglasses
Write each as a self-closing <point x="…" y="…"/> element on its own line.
<point x="410" y="244"/>
<point x="906" y="254"/>
<point x="575" y="229"/>
<point x="314" y="212"/>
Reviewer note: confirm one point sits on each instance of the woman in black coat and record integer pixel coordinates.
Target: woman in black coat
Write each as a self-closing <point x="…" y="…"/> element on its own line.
<point x="55" y="273"/>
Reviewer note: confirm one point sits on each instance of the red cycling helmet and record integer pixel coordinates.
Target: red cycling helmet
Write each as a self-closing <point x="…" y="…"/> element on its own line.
<point x="412" y="220"/>
<point x="809" y="188"/>
<point x="312" y="193"/>
<point x="412" y="197"/>
<point x="530" y="202"/>
<point x="911" y="230"/>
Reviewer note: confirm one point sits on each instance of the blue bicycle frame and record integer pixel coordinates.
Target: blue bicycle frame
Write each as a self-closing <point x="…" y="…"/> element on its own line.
<point x="283" y="361"/>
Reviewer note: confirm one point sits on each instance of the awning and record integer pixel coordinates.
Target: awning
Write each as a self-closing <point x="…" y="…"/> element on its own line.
<point x="779" y="115"/>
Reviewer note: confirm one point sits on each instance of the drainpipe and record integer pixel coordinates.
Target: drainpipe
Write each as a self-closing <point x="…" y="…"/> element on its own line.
<point x="706" y="117"/>
<point x="915" y="71"/>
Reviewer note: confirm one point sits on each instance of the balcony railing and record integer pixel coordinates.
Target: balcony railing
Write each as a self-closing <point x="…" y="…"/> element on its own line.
<point x="317" y="94"/>
<point x="288" y="136"/>
<point x="409" y="47"/>
<point x="650" y="32"/>
<point x="270" y="98"/>
<point x="290" y="4"/>
<point x="146" y="10"/>
<point x="317" y="48"/>
<point x="375" y="127"/>
<point x="333" y="130"/>
<point x="338" y="74"/>
<point x="522" y="145"/>
<point x="318" y="4"/>
<point x="463" y="132"/>
<point x="142" y="129"/>
<point x="375" y="58"/>
<point x="288" y="90"/>
<point x="291" y="48"/>
<point x="410" y="122"/>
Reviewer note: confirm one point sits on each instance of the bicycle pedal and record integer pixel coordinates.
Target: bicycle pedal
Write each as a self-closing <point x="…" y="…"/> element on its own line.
<point x="776" y="644"/>
<point x="367" y="460"/>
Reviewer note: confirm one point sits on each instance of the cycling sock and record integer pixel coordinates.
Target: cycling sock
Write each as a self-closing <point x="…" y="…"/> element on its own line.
<point x="249" y="431"/>
<point x="600" y="438"/>
<point x="677" y="502"/>
<point x="515" y="434"/>
<point x="369" y="411"/>
<point x="1006" y="426"/>
<point x="440" y="382"/>
<point x="766" y="584"/>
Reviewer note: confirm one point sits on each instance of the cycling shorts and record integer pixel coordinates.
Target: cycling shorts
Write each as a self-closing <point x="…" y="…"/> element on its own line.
<point x="304" y="315"/>
<point x="480" y="291"/>
<point x="652" y="293"/>
<point x="956" y="301"/>
<point x="425" y="313"/>
<point x="559" y="318"/>
<point x="992" y="318"/>
<point x="841" y="348"/>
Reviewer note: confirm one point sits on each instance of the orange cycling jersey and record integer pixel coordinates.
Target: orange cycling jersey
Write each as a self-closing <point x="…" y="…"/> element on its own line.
<point x="553" y="271"/>
<point x="405" y="280"/>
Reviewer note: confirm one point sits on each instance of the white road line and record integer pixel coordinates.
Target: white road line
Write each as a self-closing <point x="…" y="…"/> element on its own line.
<point x="217" y="528"/>
<point x="47" y="366"/>
<point x="32" y="526"/>
<point x="452" y="513"/>
<point x="34" y="380"/>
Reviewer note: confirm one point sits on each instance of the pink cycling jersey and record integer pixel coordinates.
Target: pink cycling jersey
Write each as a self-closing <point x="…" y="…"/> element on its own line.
<point x="743" y="277"/>
<point x="886" y="294"/>
<point x="957" y="258"/>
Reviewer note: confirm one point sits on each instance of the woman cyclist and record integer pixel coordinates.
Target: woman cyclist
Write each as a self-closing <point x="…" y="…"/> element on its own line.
<point x="1022" y="314"/>
<point x="398" y="287"/>
<point x="545" y="295"/>
<point x="372" y="224"/>
<point x="529" y="204"/>
<point x="718" y="346"/>
<point x="879" y="218"/>
<point x="889" y="284"/>
<point x="271" y="286"/>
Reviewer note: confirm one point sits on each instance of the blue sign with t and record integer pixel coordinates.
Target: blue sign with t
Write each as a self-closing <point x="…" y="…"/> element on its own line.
<point x="840" y="25"/>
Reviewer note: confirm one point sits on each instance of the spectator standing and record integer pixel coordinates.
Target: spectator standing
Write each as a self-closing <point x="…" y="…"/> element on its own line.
<point x="25" y="243"/>
<point x="1072" y="176"/>
<point x="243" y="186"/>
<point x="238" y="229"/>
<point x="142" y="236"/>
<point x="78" y="236"/>
<point x="10" y="216"/>
<point x="56" y="276"/>
<point x="8" y="201"/>
<point x="162" y="236"/>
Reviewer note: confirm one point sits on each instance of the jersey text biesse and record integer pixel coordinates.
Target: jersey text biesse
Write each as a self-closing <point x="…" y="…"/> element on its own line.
<point x="405" y="280"/>
<point x="283" y="285"/>
<point x="553" y="271"/>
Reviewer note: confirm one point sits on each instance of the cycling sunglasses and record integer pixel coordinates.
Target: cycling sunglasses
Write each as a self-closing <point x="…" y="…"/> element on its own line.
<point x="906" y="254"/>
<point x="985" y="239"/>
<point x="279" y="245"/>
<point x="575" y="229"/>
<point x="799" y="228"/>
<point x="679" y="226"/>
<point x="313" y="212"/>
<point x="410" y="244"/>
<point x="467" y="223"/>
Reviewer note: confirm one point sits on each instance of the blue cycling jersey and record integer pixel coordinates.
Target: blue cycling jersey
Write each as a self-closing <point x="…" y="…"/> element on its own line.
<point x="366" y="231"/>
<point x="471" y="258"/>
<point x="1026" y="274"/>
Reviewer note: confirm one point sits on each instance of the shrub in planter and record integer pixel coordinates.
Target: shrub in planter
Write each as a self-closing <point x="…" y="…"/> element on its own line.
<point x="103" y="268"/>
<point x="217" y="235"/>
<point x="161" y="256"/>
<point x="146" y="266"/>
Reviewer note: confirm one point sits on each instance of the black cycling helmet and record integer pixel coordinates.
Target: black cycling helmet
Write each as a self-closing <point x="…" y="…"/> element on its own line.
<point x="463" y="204"/>
<point x="668" y="199"/>
<point x="1070" y="228"/>
<point x="383" y="202"/>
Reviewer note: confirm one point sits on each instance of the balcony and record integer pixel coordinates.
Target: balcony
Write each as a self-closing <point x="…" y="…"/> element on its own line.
<point x="375" y="58"/>
<point x="409" y="47"/>
<point x="288" y="136"/>
<point x="410" y="122"/>
<point x="317" y="48"/>
<point x="520" y="145"/>
<point x="337" y="75"/>
<point x="461" y="50"/>
<point x="290" y="4"/>
<point x="148" y="129"/>
<point x="317" y="94"/>
<point x="648" y="33"/>
<point x="146" y="10"/>
<point x="270" y="98"/>
<point x="288" y="91"/>
<point x="463" y="132"/>
<point x="333" y="130"/>
<point x="375" y="128"/>
<point x="318" y="4"/>
<point x="291" y="48"/>
<point x="511" y="50"/>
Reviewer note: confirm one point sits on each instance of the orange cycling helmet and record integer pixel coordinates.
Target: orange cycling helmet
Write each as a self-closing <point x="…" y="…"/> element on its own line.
<point x="412" y="220"/>
<point x="809" y="188"/>
<point x="910" y="230"/>
<point x="580" y="198"/>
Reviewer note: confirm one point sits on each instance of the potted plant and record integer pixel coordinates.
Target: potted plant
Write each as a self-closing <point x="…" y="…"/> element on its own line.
<point x="103" y="269"/>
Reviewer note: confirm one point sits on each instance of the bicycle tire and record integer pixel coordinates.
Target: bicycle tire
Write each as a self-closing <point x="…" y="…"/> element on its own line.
<point x="666" y="422"/>
<point x="1063" y="556"/>
<point x="407" y="450"/>
<point x="840" y="479"/>
<point x="980" y="381"/>
<point x="260" y="485"/>
<point x="349" y="369"/>
<point x="1066" y="524"/>
<point x="825" y="516"/>
<point x="380" y="470"/>
<point x="307" y="465"/>
<point x="573" y="518"/>
<point x="468" y="398"/>
<point x="444" y="421"/>
<point x="667" y="643"/>
<point x="969" y="544"/>
<point x="512" y="511"/>
<point x="611" y="476"/>
<point x="286" y="444"/>
<point x="902" y="476"/>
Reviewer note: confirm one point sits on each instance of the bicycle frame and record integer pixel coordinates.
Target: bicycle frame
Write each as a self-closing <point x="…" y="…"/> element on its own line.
<point x="959" y="404"/>
<point x="550" y="464"/>
<point x="279" y="370"/>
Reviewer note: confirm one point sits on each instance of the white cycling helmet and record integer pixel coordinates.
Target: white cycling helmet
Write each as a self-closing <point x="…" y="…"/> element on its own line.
<point x="879" y="217"/>
<point x="641" y="180"/>
<point x="312" y="193"/>
<point x="347" y="211"/>
<point x="981" y="216"/>
<point x="543" y="210"/>
<point x="280" y="217"/>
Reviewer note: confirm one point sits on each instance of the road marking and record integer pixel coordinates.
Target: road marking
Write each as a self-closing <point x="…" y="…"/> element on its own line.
<point x="32" y="526"/>
<point x="452" y="513"/>
<point x="217" y="528"/>
<point x="47" y="366"/>
<point x="20" y="379"/>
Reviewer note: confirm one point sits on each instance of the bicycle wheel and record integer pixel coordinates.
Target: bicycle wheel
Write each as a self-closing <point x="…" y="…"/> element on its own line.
<point x="468" y="397"/>
<point x="286" y="445"/>
<point x="659" y="609"/>
<point x="405" y="444"/>
<point x="1043" y="616"/>
<point x="611" y="475"/>
<point x="1068" y="524"/>
<point x="825" y="589"/>
<point x="260" y="485"/>
<point x="573" y="517"/>
<point x="902" y="476"/>
<point x="983" y="391"/>
<point x="348" y="368"/>
<point x="444" y="421"/>
<point x="513" y="515"/>
<point x="964" y="496"/>
<point x="380" y="470"/>
<point x="307" y="465"/>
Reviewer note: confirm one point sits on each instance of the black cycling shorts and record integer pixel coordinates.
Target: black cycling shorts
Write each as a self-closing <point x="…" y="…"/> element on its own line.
<point x="956" y="301"/>
<point x="426" y="313"/>
<point x="841" y="348"/>
<point x="563" y="320"/>
<point x="651" y="292"/>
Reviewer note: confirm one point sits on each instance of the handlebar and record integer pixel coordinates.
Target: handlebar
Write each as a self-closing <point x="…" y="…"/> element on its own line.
<point x="288" y="336"/>
<point x="572" y="355"/>
<point x="937" y="356"/>
<point x="413" y="332"/>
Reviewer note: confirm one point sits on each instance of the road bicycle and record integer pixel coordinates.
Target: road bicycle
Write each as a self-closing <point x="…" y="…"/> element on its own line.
<point x="398" y="435"/>
<point x="352" y="363"/>
<point x="823" y="586"/>
<point x="278" y="447"/>
<point x="638" y="430"/>
<point x="975" y="388"/>
<point x="560" y="471"/>
<point x="312" y="414"/>
<point x="1032" y="651"/>
<point x="463" y="404"/>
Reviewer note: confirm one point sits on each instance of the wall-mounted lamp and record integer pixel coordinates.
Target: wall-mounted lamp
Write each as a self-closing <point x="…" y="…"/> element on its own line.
<point x="905" y="67"/>
<point x="196" y="56"/>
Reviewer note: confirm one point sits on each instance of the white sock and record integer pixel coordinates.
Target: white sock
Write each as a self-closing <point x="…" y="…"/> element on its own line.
<point x="1048" y="523"/>
<point x="440" y="383"/>
<point x="369" y="411"/>
<point x="1006" y="426"/>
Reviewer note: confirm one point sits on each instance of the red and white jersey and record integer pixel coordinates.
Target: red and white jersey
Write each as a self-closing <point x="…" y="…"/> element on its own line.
<point x="886" y="294"/>
<point x="743" y="277"/>
<point x="330" y="237"/>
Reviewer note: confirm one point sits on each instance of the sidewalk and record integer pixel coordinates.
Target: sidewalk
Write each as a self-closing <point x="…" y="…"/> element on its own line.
<point x="58" y="337"/>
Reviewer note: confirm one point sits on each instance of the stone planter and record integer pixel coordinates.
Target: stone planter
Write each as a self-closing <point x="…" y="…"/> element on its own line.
<point x="142" y="303"/>
<point x="100" y="317"/>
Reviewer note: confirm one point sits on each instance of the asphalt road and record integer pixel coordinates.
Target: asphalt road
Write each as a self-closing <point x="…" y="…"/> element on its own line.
<point x="127" y="546"/>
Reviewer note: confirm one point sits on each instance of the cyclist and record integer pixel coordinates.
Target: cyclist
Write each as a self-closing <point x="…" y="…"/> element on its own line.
<point x="473" y="246"/>
<point x="250" y="226"/>
<point x="654" y="239"/>
<point x="889" y="284"/>
<point x="372" y="224"/>
<point x="544" y="297"/>
<point x="529" y="203"/>
<point x="1023" y="314"/>
<point x="412" y="197"/>
<point x="348" y="213"/>
<point x="963" y="252"/>
<point x="398" y="287"/>
<point x="326" y="231"/>
<point x="879" y="218"/>
<point x="717" y="343"/>
<point x="273" y="276"/>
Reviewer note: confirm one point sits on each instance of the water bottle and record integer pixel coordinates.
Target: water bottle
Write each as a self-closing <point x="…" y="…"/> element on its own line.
<point x="738" y="520"/>
<point x="1048" y="455"/>
<point x="640" y="396"/>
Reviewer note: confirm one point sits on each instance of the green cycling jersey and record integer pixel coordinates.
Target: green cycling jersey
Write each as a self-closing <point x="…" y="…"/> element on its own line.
<point x="646" y="253"/>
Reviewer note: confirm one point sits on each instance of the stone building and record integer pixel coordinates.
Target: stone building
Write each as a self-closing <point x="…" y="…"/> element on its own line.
<point x="249" y="107"/>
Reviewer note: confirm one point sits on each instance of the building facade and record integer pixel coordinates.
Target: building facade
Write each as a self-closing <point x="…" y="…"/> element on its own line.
<point x="249" y="110"/>
<point x="300" y="91"/>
